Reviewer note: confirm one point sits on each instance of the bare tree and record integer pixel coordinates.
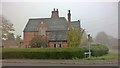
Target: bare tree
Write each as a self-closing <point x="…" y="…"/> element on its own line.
<point x="7" y="29"/>
<point x="101" y="37"/>
<point x="106" y="39"/>
<point x="7" y="35"/>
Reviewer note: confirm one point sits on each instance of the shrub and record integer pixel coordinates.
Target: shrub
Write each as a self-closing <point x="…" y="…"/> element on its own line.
<point x="38" y="42"/>
<point x="42" y="53"/>
<point x="97" y="49"/>
<point x="52" y="53"/>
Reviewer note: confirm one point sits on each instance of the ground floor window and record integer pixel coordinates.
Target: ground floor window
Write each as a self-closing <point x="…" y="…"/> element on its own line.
<point x="60" y="45"/>
<point x="54" y="45"/>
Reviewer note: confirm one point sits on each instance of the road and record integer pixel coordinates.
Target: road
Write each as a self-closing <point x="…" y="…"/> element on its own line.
<point x="43" y="64"/>
<point x="60" y="62"/>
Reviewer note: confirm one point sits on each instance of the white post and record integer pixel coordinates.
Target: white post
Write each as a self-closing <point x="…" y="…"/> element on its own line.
<point x="89" y="51"/>
<point x="89" y="39"/>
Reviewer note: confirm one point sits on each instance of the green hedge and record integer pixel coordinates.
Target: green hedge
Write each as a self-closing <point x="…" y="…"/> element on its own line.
<point x="52" y="53"/>
<point x="42" y="53"/>
<point x="97" y="49"/>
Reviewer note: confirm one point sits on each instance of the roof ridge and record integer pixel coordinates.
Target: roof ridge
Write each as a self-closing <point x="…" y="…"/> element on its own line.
<point x="74" y="21"/>
<point x="43" y="18"/>
<point x="38" y="18"/>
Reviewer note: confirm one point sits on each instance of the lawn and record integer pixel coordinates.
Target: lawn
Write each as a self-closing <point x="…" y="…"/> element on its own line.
<point x="109" y="56"/>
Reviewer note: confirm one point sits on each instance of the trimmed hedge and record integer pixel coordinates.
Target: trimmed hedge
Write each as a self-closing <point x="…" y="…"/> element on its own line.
<point x="52" y="53"/>
<point x="42" y="53"/>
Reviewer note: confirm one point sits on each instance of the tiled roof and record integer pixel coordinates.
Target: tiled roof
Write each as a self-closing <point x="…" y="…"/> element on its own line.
<point x="75" y="24"/>
<point x="57" y="35"/>
<point x="53" y="24"/>
<point x="56" y="27"/>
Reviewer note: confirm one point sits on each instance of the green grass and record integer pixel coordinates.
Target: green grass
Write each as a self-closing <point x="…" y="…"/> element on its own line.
<point x="109" y="56"/>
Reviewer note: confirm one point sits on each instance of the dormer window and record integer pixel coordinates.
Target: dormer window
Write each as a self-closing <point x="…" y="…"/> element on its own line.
<point x="41" y="31"/>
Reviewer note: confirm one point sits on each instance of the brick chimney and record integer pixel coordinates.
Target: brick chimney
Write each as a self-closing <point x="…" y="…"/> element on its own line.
<point x="55" y="14"/>
<point x="69" y="19"/>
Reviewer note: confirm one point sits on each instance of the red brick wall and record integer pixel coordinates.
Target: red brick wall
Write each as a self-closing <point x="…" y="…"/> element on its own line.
<point x="26" y="38"/>
<point x="63" y="44"/>
<point x="29" y="35"/>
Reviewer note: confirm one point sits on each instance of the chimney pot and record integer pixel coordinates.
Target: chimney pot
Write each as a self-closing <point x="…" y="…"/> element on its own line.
<point x="69" y="11"/>
<point x="69" y="19"/>
<point x="57" y="10"/>
<point x="55" y="14"/>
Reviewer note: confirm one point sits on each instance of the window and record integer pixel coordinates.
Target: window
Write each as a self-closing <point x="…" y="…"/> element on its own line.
<point x="54" y="45"/>
<point x="60" y="45"/>
<point x="42" y="31"/>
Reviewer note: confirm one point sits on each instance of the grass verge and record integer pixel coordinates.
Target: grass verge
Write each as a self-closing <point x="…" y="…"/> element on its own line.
<point x="109" y="56"/>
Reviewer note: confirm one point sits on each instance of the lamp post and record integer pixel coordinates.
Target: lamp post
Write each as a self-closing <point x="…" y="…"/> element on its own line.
<point x="89" y="38"/>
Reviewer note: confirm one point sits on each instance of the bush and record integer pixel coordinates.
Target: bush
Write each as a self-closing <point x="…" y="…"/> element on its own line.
<point x="42" y="53"/>
<point x="38" y="42"/>
<point x="97" y="49"/>
<point x="52" y="53"/>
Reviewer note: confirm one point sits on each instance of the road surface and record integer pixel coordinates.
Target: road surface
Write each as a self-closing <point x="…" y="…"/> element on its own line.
<point x="60" y="63"/>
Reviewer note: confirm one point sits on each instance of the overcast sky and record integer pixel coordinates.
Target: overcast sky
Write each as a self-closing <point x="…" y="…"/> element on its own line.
<point x="95" y="16"/>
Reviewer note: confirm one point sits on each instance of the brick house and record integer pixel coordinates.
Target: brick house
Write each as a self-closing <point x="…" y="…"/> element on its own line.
<point x="52" y="29"/>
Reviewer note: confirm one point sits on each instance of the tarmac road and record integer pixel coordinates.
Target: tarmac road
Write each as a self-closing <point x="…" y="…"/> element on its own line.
<point x="43" y="64"/>
<point x="60" y="63"/>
